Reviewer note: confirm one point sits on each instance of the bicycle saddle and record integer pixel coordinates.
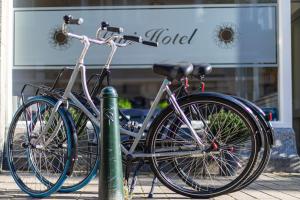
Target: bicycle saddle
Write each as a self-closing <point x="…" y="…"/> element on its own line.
<point x="173" y="71"/>
<point x="201" y="70"/>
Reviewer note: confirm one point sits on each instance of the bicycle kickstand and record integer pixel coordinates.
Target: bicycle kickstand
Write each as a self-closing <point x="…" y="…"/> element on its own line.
<point x="128" y="166"/>
<point x="134" y="178"/>
<point x="154" y="181"/>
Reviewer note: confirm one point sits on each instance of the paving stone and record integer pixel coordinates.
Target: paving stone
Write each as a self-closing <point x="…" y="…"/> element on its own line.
<point x="224" y="197"/>
<point x="241" y="195"/>
<point x="256" y="194"/>
<point x="269" y="186"/>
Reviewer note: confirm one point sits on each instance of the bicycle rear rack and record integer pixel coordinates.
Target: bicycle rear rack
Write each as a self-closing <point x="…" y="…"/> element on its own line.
<point x="53" y="90"/>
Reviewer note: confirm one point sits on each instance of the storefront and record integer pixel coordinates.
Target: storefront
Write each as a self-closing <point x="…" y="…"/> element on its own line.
<point x="247" y="42"/>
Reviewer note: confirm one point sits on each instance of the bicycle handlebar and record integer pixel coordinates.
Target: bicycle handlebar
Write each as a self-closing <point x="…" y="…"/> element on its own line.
<point x="68" y="19"/>
<point x="82" y="37"/>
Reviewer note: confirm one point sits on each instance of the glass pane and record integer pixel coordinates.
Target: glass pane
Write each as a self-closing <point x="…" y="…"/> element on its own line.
<point x="238" y="37"/>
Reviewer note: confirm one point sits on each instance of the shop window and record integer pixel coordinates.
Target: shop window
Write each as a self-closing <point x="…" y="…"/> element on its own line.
<point x="239" y="38"/>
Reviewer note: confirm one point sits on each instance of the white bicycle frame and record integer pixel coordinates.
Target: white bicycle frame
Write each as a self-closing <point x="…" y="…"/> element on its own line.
<point x="80" y="67"/>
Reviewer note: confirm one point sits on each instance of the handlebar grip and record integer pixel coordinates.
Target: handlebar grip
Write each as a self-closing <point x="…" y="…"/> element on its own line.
<point x="76" y="21"/>
<point x="69" y="20"/>
<point x="149" y="43"/>
<point x="104" y="24"/>
<point x="133" y="38"/>
<point x="115" y="29"/>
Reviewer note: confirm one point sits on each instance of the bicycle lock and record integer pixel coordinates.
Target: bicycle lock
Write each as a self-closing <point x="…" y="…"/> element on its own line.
<point x="111" y="173"/>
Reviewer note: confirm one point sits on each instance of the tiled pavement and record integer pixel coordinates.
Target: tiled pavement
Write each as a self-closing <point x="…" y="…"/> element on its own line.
<point x="268" y="186"/>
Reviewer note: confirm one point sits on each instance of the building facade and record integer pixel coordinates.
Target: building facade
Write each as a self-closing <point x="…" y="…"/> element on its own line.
<point x="252" y="45"/>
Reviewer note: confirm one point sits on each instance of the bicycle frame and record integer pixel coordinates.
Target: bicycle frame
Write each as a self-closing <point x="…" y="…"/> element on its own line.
<point x="80" y="67"/>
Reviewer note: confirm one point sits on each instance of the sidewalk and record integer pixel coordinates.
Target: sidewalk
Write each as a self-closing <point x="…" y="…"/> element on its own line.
<point x="269" y="186"/>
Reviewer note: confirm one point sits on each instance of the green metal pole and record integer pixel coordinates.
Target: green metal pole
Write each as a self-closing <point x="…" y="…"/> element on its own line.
<point x="111" y="173"/>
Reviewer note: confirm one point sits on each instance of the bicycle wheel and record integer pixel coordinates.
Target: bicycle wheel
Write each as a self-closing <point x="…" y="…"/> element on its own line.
<point x="86" y="166"/>
<point x="37" y="169"/>
<point x="230" y="147"/>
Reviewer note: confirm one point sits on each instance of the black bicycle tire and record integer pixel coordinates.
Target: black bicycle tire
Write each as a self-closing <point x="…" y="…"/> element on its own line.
<point x="68" y="187"/>
<point x="181" y="102"/>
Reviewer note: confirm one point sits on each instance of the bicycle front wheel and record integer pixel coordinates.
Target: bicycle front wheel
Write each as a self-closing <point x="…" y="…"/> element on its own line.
<point x="227" y="131"/>
<point x="40" y="169"/>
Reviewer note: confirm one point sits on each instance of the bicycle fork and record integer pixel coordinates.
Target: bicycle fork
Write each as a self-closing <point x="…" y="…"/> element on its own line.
<point x="49" y="122"/>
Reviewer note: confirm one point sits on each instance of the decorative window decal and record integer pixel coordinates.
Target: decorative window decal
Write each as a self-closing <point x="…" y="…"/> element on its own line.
<point x="226" y="35"/>
<point x="58" y="40"/>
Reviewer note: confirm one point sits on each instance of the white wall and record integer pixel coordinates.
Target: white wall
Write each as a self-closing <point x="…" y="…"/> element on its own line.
<point x="5" y="70"/>
<point x="285" y="65"/>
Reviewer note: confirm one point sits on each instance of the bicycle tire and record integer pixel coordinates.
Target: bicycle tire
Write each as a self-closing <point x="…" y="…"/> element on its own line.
<point x="87" y="163"/>
<point x="211" y="192"/>
<point x="31" y="179"/>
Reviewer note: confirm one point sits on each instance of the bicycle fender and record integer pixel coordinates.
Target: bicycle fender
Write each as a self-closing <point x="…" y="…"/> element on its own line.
<point x="261" y="115"/>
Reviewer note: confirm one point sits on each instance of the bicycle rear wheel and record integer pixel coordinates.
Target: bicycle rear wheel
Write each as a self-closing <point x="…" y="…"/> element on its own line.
<point x="228" y="134"/>
<point x="40" y="170"/>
